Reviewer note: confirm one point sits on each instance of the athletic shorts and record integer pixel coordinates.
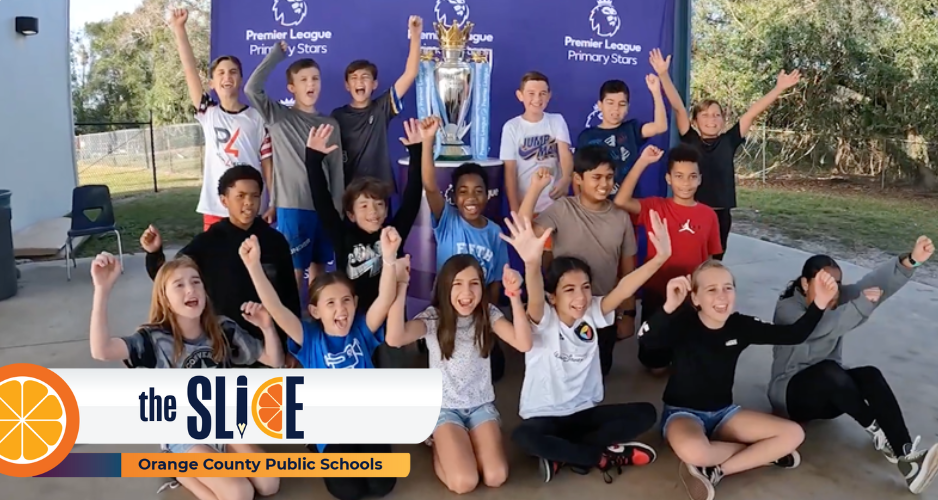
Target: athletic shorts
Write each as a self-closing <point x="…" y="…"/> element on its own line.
<point x="711" y="421"/>
<point x="209" y="220"/>
<point x="306" y="236"/>
<point x="469" y="418"/>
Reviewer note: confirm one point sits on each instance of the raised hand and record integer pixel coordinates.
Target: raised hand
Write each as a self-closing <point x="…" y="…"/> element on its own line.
<point x="428" y="128"/>
<point x="250" y="251"/>
<point x="652" y="154"/>
<point x="257" y="315"/>
<point x="415" y="25"/>
<point x="390" y="242"/>
<point x="412" y="132"/>
<point x="653" y="82"/>
<point x="923" y="249"/>
<point x="150" y="240"/>
<point x="873" y="294"/>
<point x="658" y="63"/>
<point x="541" y="179"/>
<point x="678" y="288"/>
<point x="529" y="246"/>
<point x="825" y="289"/>
<point x="178" y="18"/>
<point x="319" y="139"/>
<point x="403" y="269"/>
<point x="511" y="281"/>
<point x="105" y="269"/>
<point x="786" y="81"/>
<point x="659" y="236"/>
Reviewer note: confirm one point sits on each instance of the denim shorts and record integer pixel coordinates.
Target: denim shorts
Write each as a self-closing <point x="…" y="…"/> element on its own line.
<point x="709" y="420"/>
<point x="469" y="418"/>
<point x="185" y="448"/>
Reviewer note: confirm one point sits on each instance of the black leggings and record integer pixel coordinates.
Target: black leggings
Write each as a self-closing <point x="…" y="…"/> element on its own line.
<point x="725" y="219"/>
<point x="607" y="338"/>
<point x="581" y="438"/>
<point x="827" y="390"/>
<point x="357" y="488"/>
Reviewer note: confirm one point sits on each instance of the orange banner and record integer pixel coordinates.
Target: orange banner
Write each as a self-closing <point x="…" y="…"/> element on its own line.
<point x="265" y="465"/>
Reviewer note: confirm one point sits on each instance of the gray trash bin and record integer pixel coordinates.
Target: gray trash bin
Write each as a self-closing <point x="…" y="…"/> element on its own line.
<point x="7" y="261"/>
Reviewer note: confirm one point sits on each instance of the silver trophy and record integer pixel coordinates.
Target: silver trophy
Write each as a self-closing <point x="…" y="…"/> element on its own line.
<point x="453" y="78"/>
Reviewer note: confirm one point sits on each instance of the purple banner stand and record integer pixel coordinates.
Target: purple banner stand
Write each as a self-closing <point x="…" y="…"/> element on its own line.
<point x="421" y="244"/>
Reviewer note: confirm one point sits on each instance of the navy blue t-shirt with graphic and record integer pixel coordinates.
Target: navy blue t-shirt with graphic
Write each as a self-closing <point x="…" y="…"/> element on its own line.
<point x="623" y="143"/>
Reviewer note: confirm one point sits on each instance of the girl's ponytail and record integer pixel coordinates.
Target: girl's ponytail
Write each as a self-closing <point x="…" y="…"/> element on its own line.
<point x="811" y="267"/>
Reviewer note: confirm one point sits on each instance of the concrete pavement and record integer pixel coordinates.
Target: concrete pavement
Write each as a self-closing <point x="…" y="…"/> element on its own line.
<point x="47" y="324"/>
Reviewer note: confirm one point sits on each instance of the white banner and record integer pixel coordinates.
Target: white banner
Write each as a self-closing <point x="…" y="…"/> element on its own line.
<point x="180" y="406"/>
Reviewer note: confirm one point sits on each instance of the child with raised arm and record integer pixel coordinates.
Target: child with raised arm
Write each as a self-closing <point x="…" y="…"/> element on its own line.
<point x="339" y="335"/>
<point x="694" y="231"/>
<point x="717" y="167"/>
<point x="215" y="252"/>
<point x="184" y="332"/>
<point x="563" y="421"/>
<point x="623" y="139"/>
<point x="364" y="121"/>
<point x="810" y="382"/>
<point x="460" y="327"/>
<point x="234" y="133"/>
<point x="590" y="227"/>
<point x="289" y="129"/>
<point x="711" y="435"/>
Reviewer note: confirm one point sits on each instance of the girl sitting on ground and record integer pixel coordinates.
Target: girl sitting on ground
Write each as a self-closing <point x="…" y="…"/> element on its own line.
<point x="460" y="327"/>
<point x="711" y="435"/>
<point x="810" y="382"/>
<point x="338" y="336"/>
<point x="184" y="332"/>
<point x="564" y="423"/>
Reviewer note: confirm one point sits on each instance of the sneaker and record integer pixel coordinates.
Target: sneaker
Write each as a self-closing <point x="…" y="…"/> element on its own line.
<point x="625" y="455"/>
<point x="880" y="442"/>
<point x="790" y="461"/>
<point x="919" y="467"/>
<point x="549" y="469"/>
<point x="700" y="481"/>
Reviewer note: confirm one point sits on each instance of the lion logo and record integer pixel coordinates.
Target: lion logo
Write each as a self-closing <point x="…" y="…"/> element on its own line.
<point x="595" y="117"/>
<point x="290" y="12"/>
<point x="448" y="11"/>
<point x="604" y="19"/>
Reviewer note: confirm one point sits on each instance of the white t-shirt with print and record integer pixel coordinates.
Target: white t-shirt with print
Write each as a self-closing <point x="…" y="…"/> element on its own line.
<point x="230" y="138"/>
<point x="562" y="375"/>
<point x="532" y="146"/>
<point x="467" y="376"/>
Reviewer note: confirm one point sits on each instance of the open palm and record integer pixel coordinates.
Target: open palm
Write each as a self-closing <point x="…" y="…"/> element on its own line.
<point x="658" y="236"/>
<point x="529" y="246"/>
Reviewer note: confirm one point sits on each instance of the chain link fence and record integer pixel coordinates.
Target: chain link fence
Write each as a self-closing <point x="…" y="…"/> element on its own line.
<point x="135" y="158"/>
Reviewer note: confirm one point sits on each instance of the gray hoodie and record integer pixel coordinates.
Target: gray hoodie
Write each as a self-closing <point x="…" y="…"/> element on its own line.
<point x="826" y="341"/>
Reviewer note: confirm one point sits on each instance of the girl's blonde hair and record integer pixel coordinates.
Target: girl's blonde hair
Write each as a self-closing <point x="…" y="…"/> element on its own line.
<point x="163" y="317"/>
<point x="708" y="264"/>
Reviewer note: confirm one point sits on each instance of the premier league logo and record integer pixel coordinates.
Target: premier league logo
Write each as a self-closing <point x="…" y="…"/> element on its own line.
<point x="595" y="117"/>
<point x="290" y="12"/>
<point x="448" y="11"/>
<point x="604" y="19"/>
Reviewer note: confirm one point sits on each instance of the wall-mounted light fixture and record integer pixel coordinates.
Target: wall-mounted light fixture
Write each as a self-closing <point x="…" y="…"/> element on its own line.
<point x="27" y="26"/>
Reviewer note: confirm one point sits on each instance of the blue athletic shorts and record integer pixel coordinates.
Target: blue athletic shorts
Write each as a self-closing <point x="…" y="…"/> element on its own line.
<point x="711" y="421"/>
<point x="306" y="236"/>
<point x="469" y="418"/>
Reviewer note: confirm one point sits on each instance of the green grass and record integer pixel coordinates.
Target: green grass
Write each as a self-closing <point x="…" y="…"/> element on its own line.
<point x="857" y="221"/>
<point x="172" y="211"/>
<point x="130" y="180"/>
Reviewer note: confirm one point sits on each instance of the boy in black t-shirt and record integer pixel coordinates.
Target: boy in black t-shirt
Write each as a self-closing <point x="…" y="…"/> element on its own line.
<point x="717" y="170"/>
<point x="363" y="123"/>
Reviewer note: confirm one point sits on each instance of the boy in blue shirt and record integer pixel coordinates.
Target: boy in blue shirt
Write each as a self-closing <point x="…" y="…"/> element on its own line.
<point x="623" y="138"/>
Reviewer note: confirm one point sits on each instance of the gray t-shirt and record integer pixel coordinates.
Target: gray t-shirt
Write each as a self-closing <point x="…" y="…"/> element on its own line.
<point x="289" y="130"/>
<point x="154" y="347"/>
<point x="365" y="137"/>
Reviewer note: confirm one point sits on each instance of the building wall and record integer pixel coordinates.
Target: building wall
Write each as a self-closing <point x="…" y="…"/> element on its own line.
<point x="37" y="160"/>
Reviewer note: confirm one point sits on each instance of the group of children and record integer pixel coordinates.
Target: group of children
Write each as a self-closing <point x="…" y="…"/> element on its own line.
<point x="231" y="297"/>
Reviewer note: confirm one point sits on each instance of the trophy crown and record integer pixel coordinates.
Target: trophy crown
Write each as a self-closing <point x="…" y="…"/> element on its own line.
<point x="604" y="3"/>
<point x="452" y="36"/>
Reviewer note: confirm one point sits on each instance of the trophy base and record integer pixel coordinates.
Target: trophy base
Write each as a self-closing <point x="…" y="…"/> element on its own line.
<point x="454" y="152"/>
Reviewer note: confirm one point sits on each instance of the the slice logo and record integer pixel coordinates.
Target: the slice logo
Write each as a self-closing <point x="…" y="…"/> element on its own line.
<point x="448" y="11"/>
<point x="38" y="420"/>
<point x="267" y="408"/>
<point x="604" y="19"/>
<point x="290" y="12"/>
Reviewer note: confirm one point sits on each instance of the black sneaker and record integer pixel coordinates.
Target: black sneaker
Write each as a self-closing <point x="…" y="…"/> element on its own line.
<point x="790" y="461"/>
<point x="700" y="481"/>
<point x="919" y="467"/>
<point x="549" y="468"/>
<point x="625" y="455"/>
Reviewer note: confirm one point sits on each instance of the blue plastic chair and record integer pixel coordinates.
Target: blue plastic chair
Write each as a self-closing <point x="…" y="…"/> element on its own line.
<point x="84" y="199"/>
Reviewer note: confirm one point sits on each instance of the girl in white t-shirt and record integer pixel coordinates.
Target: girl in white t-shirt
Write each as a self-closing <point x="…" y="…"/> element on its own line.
<point x="460" y="328"/>
<point x="563" y="423"/>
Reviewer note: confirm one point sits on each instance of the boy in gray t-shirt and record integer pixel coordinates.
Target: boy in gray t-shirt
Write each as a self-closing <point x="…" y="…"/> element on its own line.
<point x="289" y="130"/>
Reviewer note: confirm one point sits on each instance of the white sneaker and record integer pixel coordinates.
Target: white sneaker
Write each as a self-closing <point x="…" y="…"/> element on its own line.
<point x="881" y="443"/>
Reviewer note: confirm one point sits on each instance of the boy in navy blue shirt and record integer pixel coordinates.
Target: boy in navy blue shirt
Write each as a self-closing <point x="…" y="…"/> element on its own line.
<point x="623" y="138"/>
